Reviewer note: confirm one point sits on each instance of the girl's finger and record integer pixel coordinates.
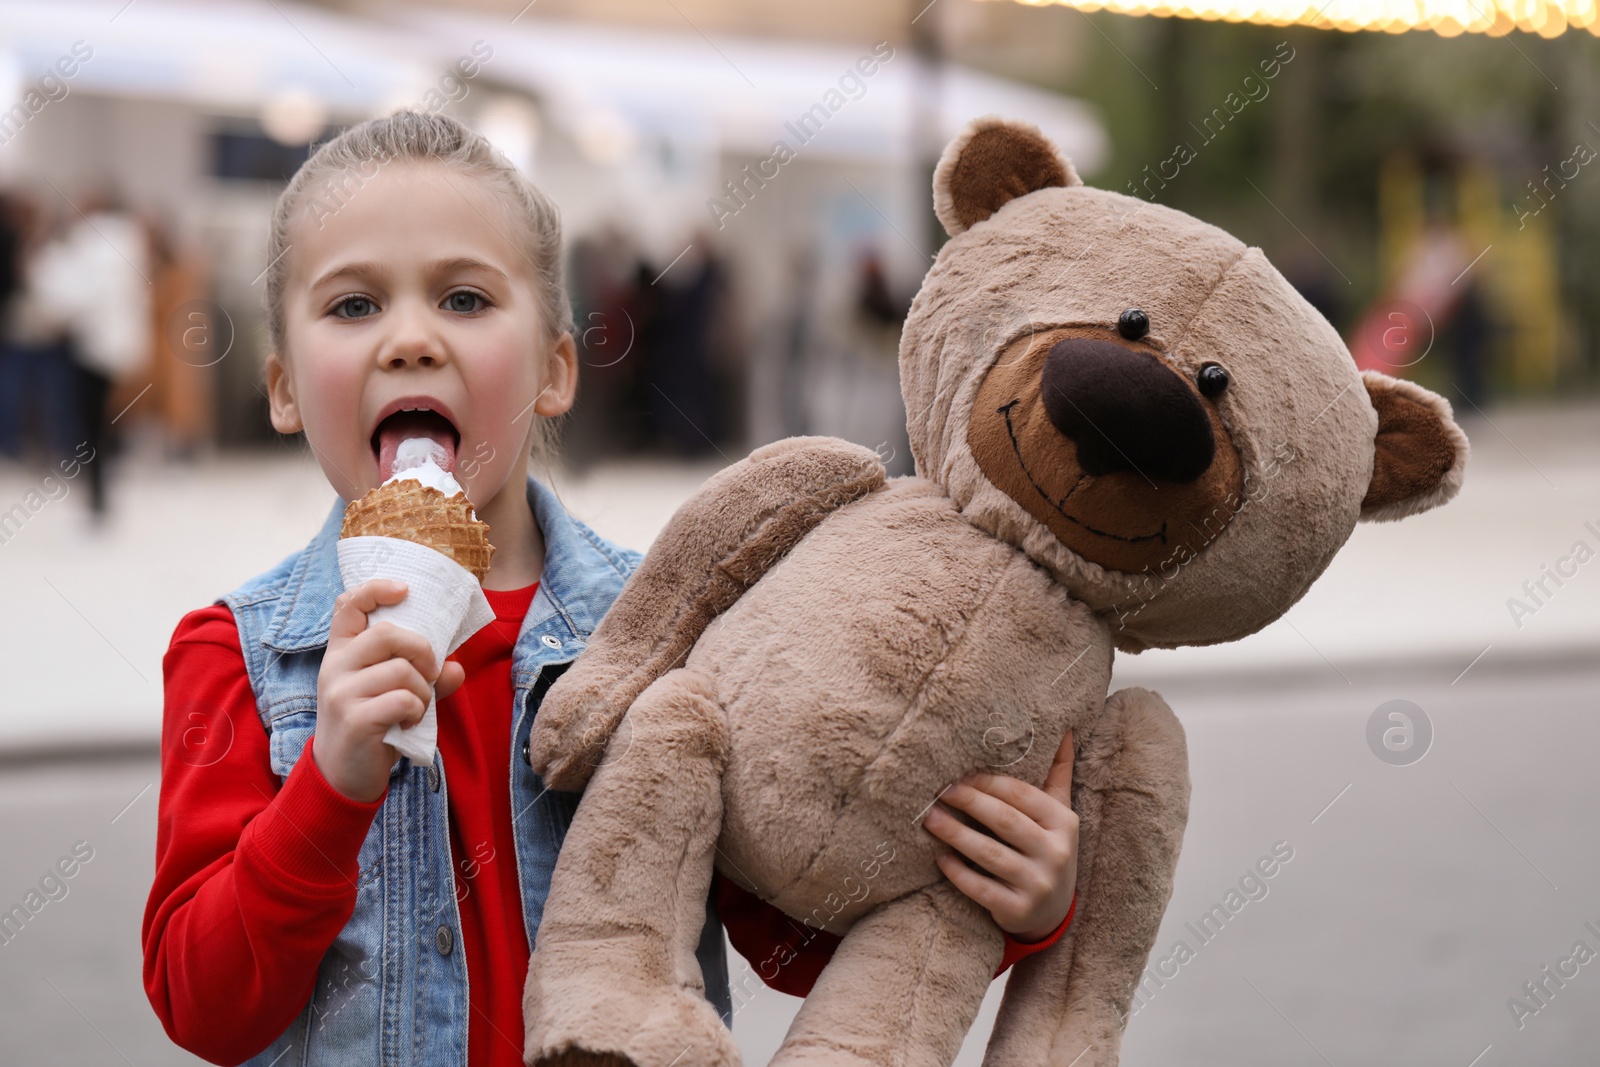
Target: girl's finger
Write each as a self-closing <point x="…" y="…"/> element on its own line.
<point x="1008" y="822"/>
<point x="986" y="892"/>
<point x="1058" y="783"/>
<point x="451" y="675"/>
<point x="396" y="707"/>
<point x="1043" y="809"/>
<point x="389" y="676"/>
<point x="410" y="645"/>
<point x="386" y="641"/>
<point x="350" y="608"/>
<point x="993" y="856"/>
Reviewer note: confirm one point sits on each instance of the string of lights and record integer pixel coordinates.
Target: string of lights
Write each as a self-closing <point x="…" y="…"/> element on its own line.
<point x="1448" y="18"/>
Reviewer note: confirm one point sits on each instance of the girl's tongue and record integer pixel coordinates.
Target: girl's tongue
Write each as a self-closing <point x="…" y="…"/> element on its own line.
<point x="404" y="424"/>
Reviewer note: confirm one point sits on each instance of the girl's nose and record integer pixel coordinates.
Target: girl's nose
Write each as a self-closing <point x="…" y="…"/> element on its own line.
<point x="411" y="341"/>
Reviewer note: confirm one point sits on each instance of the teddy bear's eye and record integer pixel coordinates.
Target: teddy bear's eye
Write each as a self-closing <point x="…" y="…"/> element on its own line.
<point x="1213" y="380"/>
<point x="1133" y="324"/>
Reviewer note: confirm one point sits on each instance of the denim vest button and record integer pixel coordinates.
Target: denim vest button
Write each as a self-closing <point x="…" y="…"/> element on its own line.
<point x="444" y="940"/>
<point x="551" y="641"/>
<point x="433" y="779"/>
<point x="527" y="753"/>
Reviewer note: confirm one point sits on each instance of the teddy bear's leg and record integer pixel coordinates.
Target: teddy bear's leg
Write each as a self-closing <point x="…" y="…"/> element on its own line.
<point x="613" y="979"/>
<point x="1069" y="1003"/>
<point x="902" y="987"/>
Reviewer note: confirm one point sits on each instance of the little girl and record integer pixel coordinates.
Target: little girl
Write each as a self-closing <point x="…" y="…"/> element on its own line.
<point x="318" y="900"/>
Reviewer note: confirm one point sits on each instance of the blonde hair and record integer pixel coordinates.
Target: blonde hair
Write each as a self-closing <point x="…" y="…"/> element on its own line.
<point x="410" y="136"/>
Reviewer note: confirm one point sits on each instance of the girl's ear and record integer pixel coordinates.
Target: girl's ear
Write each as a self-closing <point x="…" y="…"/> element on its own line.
<point x="280" y="396"/>
<point x="560" y="378"/>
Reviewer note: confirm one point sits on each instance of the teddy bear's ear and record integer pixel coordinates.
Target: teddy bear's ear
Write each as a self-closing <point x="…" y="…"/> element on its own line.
<point x="1420" y="453"/>
<point x="991" y="163"/>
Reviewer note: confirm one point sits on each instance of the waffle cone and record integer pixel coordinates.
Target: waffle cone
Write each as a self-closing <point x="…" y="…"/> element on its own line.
<point x="419" y="513"/>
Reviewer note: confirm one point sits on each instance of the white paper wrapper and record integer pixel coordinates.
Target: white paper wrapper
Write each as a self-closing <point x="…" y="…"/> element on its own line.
<point x="443" y="603"/>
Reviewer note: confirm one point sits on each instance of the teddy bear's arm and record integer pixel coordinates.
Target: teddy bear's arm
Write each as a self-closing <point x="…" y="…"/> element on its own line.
<point x="717" y="545"/>
<point x="1069" y="1003"/>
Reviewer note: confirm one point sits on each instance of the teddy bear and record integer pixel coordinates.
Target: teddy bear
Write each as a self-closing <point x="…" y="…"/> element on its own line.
<point x="1129" y="432"/>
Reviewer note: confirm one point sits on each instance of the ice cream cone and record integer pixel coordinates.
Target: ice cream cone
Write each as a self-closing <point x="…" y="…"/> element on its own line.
<point x="407" y="509"/>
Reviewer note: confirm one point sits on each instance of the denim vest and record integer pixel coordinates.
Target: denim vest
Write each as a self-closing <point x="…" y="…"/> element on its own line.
<point x="392" y="989"/>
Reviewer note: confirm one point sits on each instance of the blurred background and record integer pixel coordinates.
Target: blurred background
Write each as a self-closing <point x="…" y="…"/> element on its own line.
<point x="1421" y="171"/>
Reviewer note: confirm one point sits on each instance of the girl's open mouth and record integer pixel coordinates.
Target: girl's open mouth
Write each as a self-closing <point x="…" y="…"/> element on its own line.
<point x="421" y="422"/>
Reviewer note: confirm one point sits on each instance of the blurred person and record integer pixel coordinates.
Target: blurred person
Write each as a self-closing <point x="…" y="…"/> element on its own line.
<point x="1405" y="322"/>
<point x="1467" y="338"/>
<point x="39" y="409"/>
<point x="311" y="887"/>
<point x="185" y="345"/>
<point x="798" y="342"/>
<point x="683" y="311"/>
<point x="94" y="280"/>
<point x="11" y="232"/>
<point x="1312" y="278"/>
<point x="12" y="223"/>
<point x="878" y="309"/>
<point x="608" y="418"/>
<point x="879" y="421"/>
<point x="727" y="350"/>
<point x="1432" y="302"/>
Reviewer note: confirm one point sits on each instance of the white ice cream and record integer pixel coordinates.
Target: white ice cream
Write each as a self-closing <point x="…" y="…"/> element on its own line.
<point x="418" y="458"/>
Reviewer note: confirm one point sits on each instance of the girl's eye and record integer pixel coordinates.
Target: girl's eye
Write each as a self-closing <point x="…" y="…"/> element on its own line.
<point x="354" y="307"/>
<point x="465" y="302"/>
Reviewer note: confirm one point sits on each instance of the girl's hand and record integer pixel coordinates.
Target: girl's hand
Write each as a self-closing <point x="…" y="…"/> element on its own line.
<point x="1035" y="860"/>
<point x="372" y="677"/>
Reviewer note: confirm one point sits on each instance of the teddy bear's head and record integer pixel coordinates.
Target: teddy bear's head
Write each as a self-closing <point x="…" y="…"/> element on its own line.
<point x="1144" y="404"/>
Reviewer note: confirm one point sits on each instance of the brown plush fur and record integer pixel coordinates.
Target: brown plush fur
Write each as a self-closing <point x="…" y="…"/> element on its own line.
<point x="810" y="653"/>
<point x="991" y="164"/>
<point x="1421" y="454"/>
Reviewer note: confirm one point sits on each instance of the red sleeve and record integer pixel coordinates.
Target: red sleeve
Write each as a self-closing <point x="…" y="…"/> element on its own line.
<point x="252" y="881"/>
<point x="789" y="955"/>
<point x="1017" y="951"/>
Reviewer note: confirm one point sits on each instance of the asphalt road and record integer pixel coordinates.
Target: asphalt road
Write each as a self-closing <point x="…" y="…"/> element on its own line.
<point x="1418" y="901"/>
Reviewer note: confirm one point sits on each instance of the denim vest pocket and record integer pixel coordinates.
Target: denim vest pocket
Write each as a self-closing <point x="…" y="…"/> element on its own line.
<point x="289" y="733"/>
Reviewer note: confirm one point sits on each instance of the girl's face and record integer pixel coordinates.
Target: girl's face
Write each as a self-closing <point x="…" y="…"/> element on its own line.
<point x="410" y="291"/>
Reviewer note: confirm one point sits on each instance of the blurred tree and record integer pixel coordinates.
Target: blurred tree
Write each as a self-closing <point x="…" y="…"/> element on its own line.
<point x="1301" y="163"/>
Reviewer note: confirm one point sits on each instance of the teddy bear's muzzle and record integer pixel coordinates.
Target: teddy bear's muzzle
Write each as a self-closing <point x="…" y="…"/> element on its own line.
<point x="1126" y="411"/>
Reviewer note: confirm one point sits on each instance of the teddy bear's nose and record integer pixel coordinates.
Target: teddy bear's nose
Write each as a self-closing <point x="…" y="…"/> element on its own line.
<point x="1126" y="411"/>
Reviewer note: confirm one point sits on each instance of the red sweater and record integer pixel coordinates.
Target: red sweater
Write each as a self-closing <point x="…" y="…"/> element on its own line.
<point x="254" y="879"/>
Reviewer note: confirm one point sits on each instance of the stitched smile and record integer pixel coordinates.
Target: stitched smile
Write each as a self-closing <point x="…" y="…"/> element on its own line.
<point x="1016" y="447"/>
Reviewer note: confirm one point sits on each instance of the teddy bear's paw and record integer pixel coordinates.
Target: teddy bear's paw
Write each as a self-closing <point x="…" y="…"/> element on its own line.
<point x="578" y="1057"/>
<point x="823" y="1054"/>
<point x="682" y="1028"/>
<point x="568" y="764"/>
<point x="625" y="1025"/>
<point x="570" y="737"/>
<point x="558" y="764"/>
